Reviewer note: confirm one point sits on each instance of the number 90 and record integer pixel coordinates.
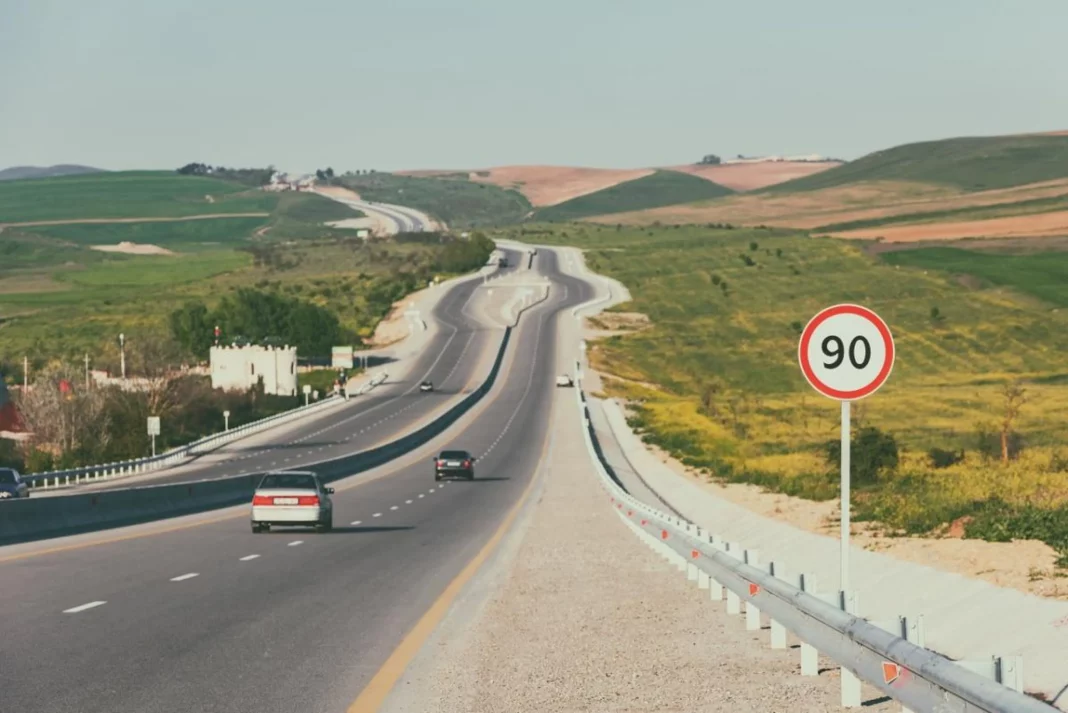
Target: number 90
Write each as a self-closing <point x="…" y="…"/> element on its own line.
<point x="834" y="348"/>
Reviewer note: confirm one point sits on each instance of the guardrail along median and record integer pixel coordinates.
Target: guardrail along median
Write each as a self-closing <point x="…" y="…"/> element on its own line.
<point x="28" y="519"/>
<point x="888" y="655"/>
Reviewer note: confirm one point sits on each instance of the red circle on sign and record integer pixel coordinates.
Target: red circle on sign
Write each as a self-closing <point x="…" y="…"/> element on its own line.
<point x="806" y="338"/>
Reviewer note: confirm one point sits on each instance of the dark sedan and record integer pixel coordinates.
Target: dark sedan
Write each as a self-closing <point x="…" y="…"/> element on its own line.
<point x="12" y="485"/>
<point x="456" y="464"/>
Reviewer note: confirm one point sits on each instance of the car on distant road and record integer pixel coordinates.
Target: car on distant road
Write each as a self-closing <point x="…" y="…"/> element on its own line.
<point x="564" y="380"/>
<point x="12" y="485"/>
<point x="292" y="497"/>
<point x="426" y="386"/>
<point x="457" y="464"/>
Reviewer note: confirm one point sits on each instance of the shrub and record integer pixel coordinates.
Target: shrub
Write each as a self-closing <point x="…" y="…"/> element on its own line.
<point x="754" y="246"/>
<point x="943" y="459"/>
<point x="988" y="443"/>
<point x="871" y="453"/>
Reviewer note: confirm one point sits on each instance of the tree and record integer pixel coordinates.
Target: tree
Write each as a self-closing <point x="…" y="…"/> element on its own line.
<point x="62" y="414"/>
<point x="1015" y="396"/>
<point x="195" y="169"/>
<point x="710" y="160"/>
<point x="192" y="328"/>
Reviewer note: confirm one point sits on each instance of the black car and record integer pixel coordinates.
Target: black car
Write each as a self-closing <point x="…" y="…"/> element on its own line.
<point x="426" y="386"/>
<point x="456" y="464"/>
<point x="12" y="485"/>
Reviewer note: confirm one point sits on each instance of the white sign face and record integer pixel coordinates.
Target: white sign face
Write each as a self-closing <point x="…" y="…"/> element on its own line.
<point x="307" y="388"/>
<point x="153" y="426"/>
<point x="846" y="352"/>
<point x="226" y="414"/>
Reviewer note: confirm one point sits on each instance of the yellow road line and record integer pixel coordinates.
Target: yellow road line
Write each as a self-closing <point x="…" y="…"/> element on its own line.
<point x="380" y="685"/>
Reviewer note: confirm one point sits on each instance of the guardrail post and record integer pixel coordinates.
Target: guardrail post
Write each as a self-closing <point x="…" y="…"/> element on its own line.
<point x="778" y="631"/>
<point x="851" y="692"/>
<point x="715" y="588"/>
<point x="1006" y="670"/>
<point x="810" y="658"/>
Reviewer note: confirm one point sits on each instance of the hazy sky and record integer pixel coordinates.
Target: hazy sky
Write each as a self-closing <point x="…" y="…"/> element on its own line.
<point x="395" y="84"/>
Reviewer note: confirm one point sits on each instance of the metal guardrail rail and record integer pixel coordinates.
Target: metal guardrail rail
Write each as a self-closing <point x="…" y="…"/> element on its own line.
<point x="920" y="679"/>
<point x="175" y="456"/>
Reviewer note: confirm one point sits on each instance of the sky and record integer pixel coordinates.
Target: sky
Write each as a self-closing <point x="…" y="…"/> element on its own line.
<point x="408" y="84"/>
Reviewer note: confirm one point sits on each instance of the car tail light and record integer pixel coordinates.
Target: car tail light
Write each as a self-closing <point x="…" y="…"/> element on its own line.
<point x="441" y="463"/>
<point x="308" y="500"/>
<point x="467" y="464"/>
<point x="262" y="500"/>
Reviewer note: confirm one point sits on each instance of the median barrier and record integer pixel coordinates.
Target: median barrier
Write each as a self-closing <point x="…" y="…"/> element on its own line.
<point x="31" y="519"/>
<point x="888" y="655"/>
<point x="76" y="476"/>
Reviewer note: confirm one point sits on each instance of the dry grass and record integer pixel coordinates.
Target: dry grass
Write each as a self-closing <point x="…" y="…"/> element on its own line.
<point x="1038" y="225"/>
<point x="751" y="176"/>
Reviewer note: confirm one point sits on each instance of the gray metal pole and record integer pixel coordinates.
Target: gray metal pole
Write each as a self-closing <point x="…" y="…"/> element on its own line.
<point x="153" y="445"/>
<point x="845" y="496"/>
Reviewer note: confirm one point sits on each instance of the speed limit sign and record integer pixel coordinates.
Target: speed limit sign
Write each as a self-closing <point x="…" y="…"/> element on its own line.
<point x="846" y="352"/>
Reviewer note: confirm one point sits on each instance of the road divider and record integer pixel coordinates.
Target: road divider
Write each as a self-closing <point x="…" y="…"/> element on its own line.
<point x="32" y="519"/>
<point x="177" y="456"/>
<point x="888" y="655"/>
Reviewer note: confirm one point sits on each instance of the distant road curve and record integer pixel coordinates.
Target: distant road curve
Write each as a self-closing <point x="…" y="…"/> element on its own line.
<point x="383" y="218"/>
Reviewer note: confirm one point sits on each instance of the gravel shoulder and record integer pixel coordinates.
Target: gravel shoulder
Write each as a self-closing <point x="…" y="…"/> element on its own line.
<point x="575" y="614"/>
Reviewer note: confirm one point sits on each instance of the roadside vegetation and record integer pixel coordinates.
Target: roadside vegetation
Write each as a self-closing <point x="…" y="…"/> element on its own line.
<point x="459" y="202"/>
<point x="662" y="188"/>
<point x="970" y="428"/>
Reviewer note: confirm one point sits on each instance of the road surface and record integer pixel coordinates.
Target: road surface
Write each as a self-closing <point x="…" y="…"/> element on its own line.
<point x="202" y="615"/>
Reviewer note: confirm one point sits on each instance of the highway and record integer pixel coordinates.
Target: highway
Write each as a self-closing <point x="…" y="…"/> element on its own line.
<point x="455" y="356"/>
<point x="211" y="617"/>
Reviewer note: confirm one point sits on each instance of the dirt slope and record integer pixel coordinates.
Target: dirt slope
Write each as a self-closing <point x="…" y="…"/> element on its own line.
<point x="751" y="176"/>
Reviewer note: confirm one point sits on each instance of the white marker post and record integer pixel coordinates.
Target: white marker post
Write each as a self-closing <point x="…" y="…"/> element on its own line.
<point x="307" y="393"/>
<point x="846" y="353"/>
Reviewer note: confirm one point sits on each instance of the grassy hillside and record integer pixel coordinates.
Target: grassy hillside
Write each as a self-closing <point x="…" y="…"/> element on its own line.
<point x="16" y="173"/>
<point x="126" y="194"/>
<point x="983" y="212"/>
<point x="969" y="164"/>
<point x="662" y="188"/>
<point x="727" y="396"/>
<point x="457" y="201"/>
<point x="176" y="235"/>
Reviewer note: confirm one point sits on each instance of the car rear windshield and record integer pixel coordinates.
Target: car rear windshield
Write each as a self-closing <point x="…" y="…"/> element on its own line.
<point x="7" y="476"/>
<point x="288" y="480"/>
<point x="454" y="455"/>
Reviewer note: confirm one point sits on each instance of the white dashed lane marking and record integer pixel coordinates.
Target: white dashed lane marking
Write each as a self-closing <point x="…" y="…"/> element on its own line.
<point x="407" y="502"/>
<point x="83" y="607"/>
<point x="393" y="508"/>
<point x="377" y="514"/>
<point x="183" y="577"/>
<point x="246" y="558"/>
<point x="422" y="495"/>
<point x="294" y="543"/>
<point x="356" y="522"/>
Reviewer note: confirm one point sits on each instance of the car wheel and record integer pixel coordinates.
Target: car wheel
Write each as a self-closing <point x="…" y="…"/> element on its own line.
<point x="471" y="475"/>
<point x="437" y="477"/>
<point x="256" y="529"/>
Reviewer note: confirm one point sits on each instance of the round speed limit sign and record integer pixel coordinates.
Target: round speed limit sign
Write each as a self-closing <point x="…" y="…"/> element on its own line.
<point x="846" y="352"/>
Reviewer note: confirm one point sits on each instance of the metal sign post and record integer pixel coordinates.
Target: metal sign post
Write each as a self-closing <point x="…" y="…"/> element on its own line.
<point x="846" y="353"/>
<point x="307" y="393"/>
<point x="153" y="430"/>
<point x="226" y="419"/>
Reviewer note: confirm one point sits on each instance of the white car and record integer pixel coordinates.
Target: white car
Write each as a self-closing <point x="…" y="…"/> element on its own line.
<point x="564" y="380"/>
<point x="294" y="497"/>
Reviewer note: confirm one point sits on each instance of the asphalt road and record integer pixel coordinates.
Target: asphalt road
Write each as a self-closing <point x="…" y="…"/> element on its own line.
<point x="283" y="621"/>
<point x="450" y="360"/>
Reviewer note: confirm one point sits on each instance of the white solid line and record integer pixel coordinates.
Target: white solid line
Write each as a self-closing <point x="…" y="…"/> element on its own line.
<point x="356" y="522"/>
<point x="294" y="543"/>
<point x="246" y="558"/>
<point x="83" y="607"/>
<point x="185" y="576"/>
<point x="377" y="514"/>
<point x="393" y="508"/>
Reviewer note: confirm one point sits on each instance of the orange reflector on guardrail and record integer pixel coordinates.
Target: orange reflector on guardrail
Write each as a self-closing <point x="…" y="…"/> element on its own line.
<point x="695" y="554"/>
<point x="891" y="672"/>
<point x="644" y="522"/>
<point x="754" y="589"/>
<point x="663" y="534"/>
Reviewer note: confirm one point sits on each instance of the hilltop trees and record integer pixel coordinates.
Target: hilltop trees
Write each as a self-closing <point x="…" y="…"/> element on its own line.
<point x="709" y="160"/>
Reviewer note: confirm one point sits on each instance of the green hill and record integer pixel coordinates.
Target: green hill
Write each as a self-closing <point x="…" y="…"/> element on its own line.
<point x="969" y="164"/>
<point x="126" y="194"/>
<point x="653" y="191"/>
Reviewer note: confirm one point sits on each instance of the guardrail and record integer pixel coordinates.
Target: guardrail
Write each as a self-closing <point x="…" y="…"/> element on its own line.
<point x="76" y="476"/>
<point x="37" y="518"/>
<point x="891" y="657"/>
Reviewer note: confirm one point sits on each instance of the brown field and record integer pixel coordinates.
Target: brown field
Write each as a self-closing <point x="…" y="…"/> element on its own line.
<point x="1039" y="225"/>
<point x="859" y="201"/>
<point x="338" y="192"/>
<point x="750" y="176"/>
<point x="549" y="185"/>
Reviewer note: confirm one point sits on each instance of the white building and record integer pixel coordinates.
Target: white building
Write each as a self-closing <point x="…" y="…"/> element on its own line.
<point x="241" y="367"/>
